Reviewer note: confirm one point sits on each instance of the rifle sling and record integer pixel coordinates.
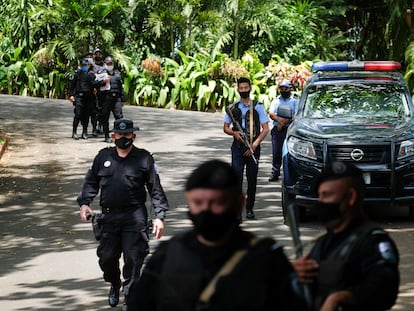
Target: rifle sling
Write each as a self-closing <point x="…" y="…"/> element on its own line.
<point x="209" y="290"/>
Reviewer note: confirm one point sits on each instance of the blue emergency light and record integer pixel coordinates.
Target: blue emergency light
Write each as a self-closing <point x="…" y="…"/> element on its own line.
<point x="356" y="65"/>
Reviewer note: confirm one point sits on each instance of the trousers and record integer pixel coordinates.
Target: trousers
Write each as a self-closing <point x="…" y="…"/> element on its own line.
<point x="123" y="233"/>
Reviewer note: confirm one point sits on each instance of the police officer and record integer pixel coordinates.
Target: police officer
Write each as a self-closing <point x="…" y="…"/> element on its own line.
<point x="111" y="95"/>
<point x="82" y="97"/>
<point x="280" y="125"/>
<point x="253" y="119"/>
<point x="354" y="266"/>
<point x="216" y="265"/>
<point x="122" y="173"/>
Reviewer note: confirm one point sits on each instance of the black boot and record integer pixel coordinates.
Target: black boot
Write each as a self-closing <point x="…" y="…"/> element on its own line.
<point x="113" y="297"/>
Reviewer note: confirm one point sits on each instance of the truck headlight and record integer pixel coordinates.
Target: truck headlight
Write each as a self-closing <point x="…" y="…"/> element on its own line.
<point x="301" y="148"/>
<point x="406" y="149"/>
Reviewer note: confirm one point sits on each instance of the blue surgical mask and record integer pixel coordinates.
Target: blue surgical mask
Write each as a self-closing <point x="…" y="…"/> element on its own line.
<point x="109" y="67"/>
<point x="90" y="60"/>
<point x="85" y="68"/>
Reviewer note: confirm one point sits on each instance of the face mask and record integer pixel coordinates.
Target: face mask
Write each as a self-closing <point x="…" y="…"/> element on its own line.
<point x="85" y="68"/>
<point x="328" y="211"/>
<point x="285" y="95"/>
<point x="212" y="226"/>
<point x="109" y="67"/>
<point x="123" y="142"/>
<point x="244" y="94"/>
<point x="90" y="60"/>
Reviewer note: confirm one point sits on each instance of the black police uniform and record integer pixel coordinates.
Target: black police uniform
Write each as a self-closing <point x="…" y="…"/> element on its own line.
<point x="111" y="100"/>
<point x="122" y="182"/>
<point x="180" y="269"/>
<point x="81" y="88"/>
<point x="364" y="260"/>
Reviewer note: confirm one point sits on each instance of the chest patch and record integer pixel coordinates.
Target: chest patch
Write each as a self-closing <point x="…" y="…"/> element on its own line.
<point x="107" y="163"/>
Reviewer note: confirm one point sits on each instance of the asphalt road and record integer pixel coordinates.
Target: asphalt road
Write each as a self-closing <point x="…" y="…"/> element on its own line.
<point x="47" y="255"/>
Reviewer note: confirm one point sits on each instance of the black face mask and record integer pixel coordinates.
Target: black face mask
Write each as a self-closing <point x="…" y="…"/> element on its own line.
<point x="244" y="94"/>
<point x="285" y="95"/>
<point x="212" y="226"/>
<point x="328" y="211"/>
<point x="123" y="142"/>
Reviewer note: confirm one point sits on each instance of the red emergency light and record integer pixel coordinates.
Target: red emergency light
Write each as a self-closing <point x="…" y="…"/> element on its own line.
<point x="357" y="65"/>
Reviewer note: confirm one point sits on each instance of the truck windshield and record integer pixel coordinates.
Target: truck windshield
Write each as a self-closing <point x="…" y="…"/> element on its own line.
<point x="356" y="100"/>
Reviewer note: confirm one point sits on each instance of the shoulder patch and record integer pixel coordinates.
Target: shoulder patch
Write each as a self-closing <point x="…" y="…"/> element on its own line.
<point x="387" y="252"/>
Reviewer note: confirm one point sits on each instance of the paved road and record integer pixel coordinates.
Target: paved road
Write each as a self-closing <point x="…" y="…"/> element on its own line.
<point x="47" y="255"/>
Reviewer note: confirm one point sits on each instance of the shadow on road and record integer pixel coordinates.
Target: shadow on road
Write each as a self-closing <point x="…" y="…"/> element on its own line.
<point x="48" y="259"/>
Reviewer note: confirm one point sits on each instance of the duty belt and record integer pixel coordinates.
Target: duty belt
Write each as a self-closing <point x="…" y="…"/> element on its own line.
<point x="111" y="94"/>
<point x="117" y="210"/>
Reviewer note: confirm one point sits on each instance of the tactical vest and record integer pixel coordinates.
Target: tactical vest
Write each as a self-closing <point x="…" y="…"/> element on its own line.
<point x="233" y="292"/>
<point x="332" y="269"/>
<point x="238" y="117"/>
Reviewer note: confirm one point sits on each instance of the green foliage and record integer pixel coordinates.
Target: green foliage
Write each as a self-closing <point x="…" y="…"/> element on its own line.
<point x="201" y="47"/>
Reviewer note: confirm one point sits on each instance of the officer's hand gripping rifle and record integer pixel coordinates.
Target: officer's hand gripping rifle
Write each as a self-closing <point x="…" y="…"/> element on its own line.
<point x="243" y="134"/>
<point x="297" y="244"/>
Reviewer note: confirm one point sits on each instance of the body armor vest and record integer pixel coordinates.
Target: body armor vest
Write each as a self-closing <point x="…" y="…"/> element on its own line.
<point x="332" y="268"/>
<point x="256" y="121"/>
<point x="185" y="267"/>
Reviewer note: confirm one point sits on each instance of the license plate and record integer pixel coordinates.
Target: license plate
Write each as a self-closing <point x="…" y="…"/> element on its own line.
<point x="367" y="178"/>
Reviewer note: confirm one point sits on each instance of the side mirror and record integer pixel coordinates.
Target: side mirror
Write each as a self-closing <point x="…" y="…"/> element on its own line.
<point x="284" y="111"/>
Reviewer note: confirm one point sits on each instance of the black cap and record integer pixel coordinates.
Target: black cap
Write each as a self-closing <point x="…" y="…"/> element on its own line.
<point x="124" y="126"/>
<point x="89" y="53"/>
<point x="338" y="170"/>
<point x="213" y="174"/>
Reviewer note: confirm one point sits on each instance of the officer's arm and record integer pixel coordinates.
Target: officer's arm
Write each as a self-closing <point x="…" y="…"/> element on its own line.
<point x="378" y="289"/>
<point x="158" y="197"/>
<point x="90" y="188"/>
<point x="72" y="87"/>
<point x="337" y="299"/>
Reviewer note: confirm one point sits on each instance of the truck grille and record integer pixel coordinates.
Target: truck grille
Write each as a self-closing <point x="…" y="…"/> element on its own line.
<point x="371" y="154"/>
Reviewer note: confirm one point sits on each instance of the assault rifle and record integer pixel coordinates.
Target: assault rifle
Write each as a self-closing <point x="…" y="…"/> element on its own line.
<point x="243" y="134"/>
<point x="297" y="244"/>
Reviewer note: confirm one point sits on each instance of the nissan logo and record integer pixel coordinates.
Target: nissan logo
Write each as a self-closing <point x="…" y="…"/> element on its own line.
<point x="357" y="154"/>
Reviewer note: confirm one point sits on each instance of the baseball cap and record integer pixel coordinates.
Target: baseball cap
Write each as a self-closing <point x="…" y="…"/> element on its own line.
<point x="124" y="126"/>
<point x="285" y="83"/>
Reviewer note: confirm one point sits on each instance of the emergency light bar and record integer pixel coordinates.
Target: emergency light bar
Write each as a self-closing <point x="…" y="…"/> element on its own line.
<point x="356" y="65"/>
